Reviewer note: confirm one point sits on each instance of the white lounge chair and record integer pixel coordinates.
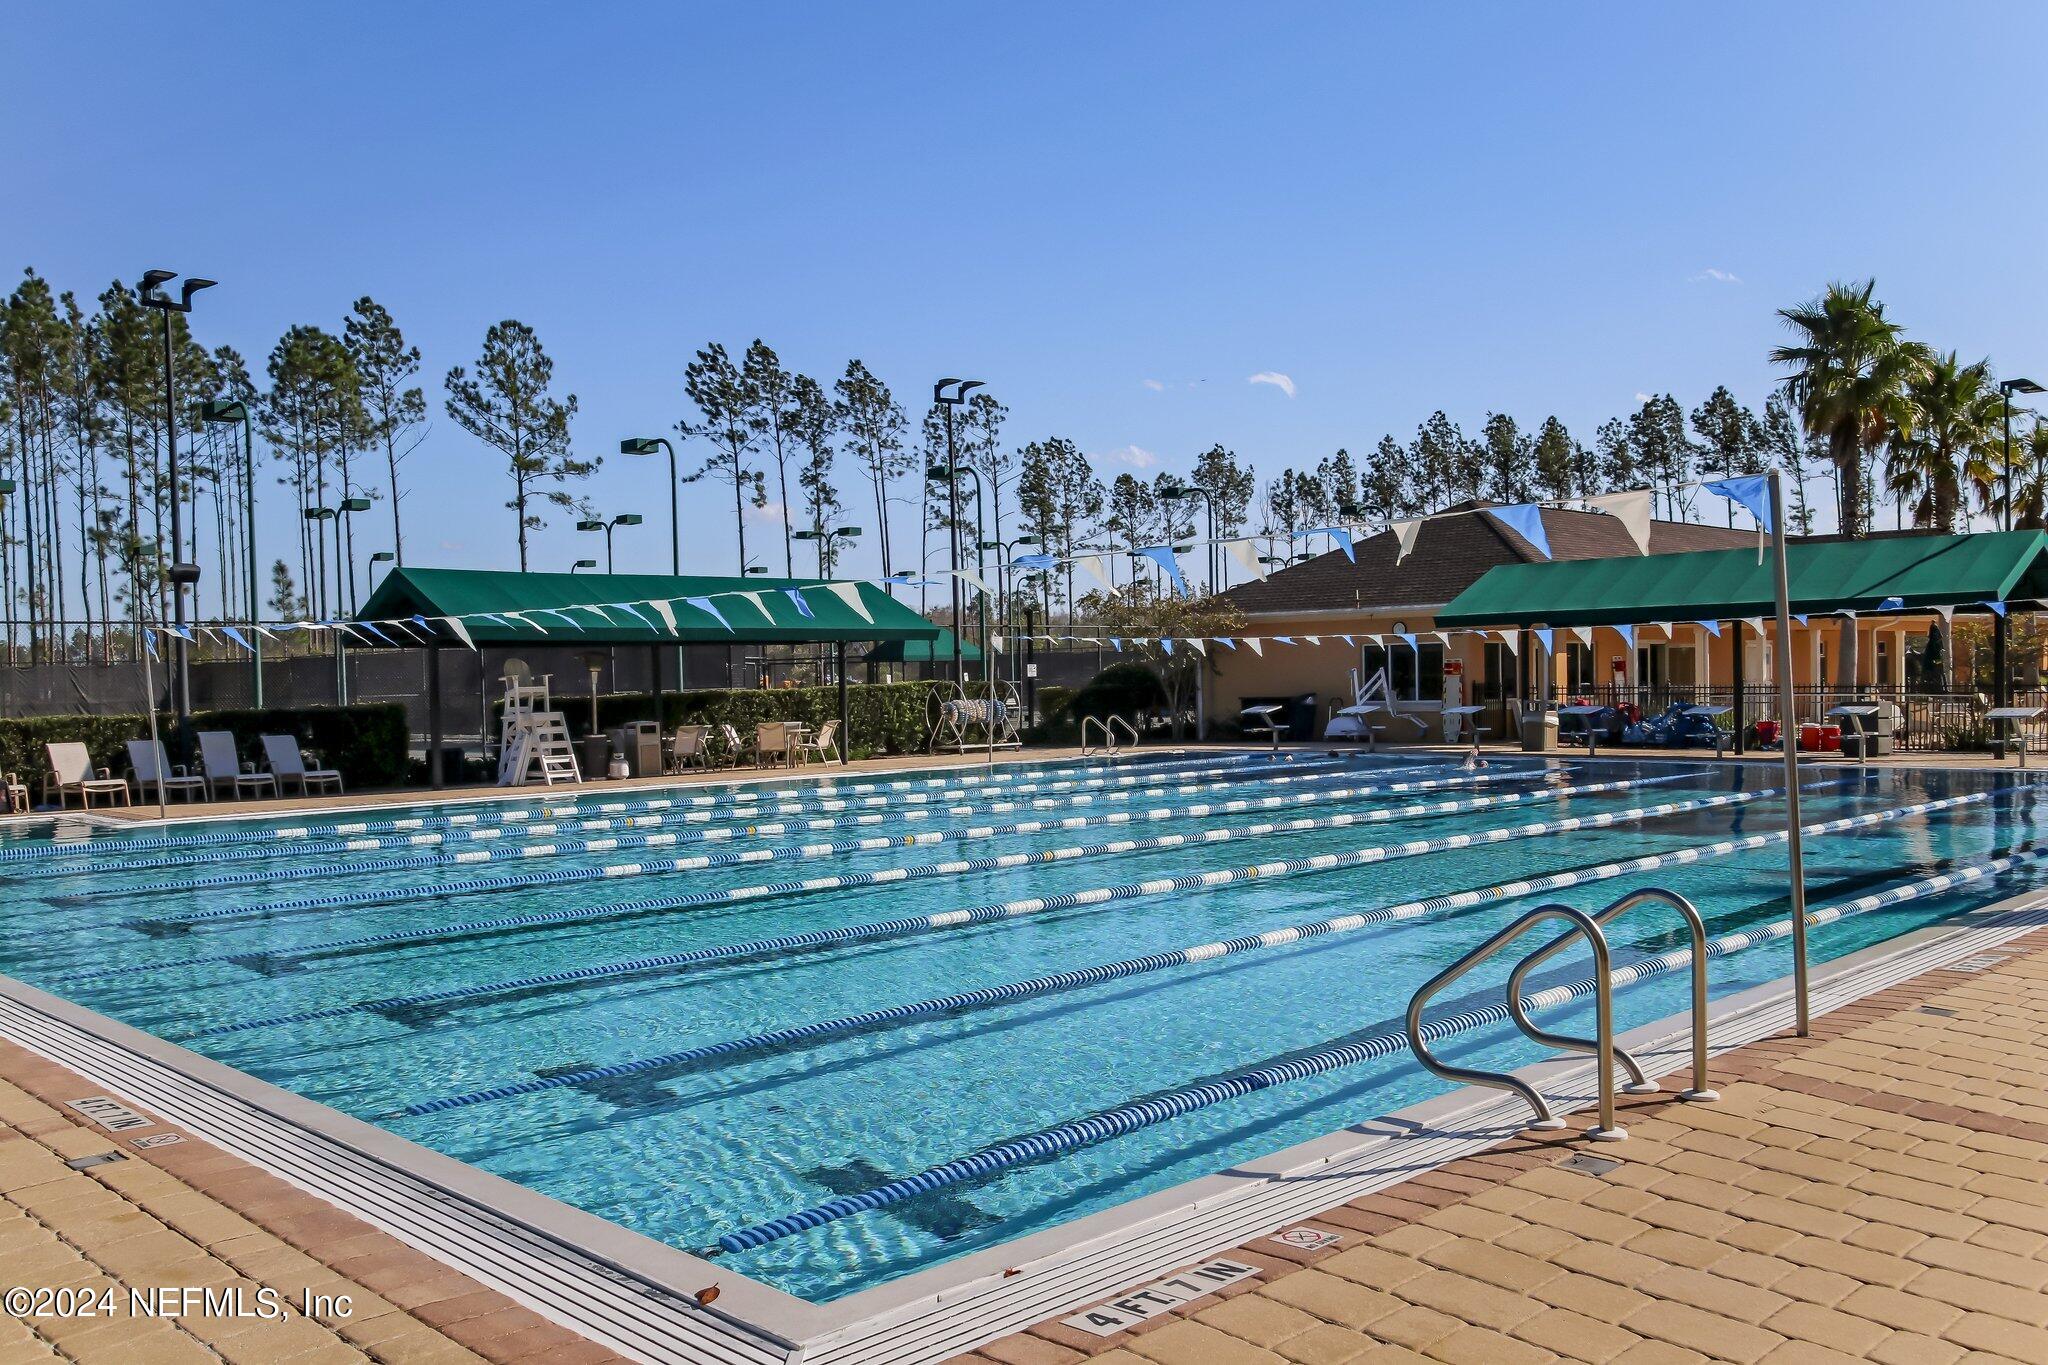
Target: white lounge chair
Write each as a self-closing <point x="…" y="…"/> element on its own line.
<point x="288" y="765"/>
<point x="148" y="769"/>
<point x="224" y="768"/>
<point x="824" y="745"/>
<point x="689" y="748"/>
<point x="72" y="774"/>
<point x="774" y="743"/>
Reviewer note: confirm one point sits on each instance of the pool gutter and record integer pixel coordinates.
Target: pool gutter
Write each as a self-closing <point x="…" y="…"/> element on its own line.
<point x="637" y="1295"/>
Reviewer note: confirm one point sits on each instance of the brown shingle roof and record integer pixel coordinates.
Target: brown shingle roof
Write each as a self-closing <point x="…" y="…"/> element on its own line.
<point x="1451" y="554"/>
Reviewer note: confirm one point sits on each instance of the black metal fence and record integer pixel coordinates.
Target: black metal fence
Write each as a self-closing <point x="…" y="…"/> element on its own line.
<point x="1918" y="722"/>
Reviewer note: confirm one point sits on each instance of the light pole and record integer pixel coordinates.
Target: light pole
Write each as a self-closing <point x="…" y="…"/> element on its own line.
<point x="2006" y="389"/>
<point x="644" y="445"/>
<point x="948" y="394"/>
<point x="583" y="564"/>
<point x="951" y="475"/>
<point x="342" y="523"/>
<point x="1183" y="492"/>
<point x="234" y="410"/>
<point x="826" y="554"/>
<point x="6" y="492"/>
<point x="380" y="557"/>
<point x="623" y="519"/>
<point x="183" y="575"/>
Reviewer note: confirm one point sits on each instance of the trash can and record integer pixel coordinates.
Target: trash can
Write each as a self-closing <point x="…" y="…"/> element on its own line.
<point x="640" y="743"/>
<point x="593" y="752"/>
<point x="1539" y="732"/>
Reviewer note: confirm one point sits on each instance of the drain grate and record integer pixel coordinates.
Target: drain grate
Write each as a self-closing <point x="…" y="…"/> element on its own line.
<point x="1983" y="962"/>
<point x="86" y="1163"/>
<point x="1936" y="1009"/>
<point x="1589" y="1165"/>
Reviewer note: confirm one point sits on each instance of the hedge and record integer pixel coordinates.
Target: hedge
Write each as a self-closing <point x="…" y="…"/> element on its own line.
<point x="887" y="717"/>
<point x="365" y="743"/>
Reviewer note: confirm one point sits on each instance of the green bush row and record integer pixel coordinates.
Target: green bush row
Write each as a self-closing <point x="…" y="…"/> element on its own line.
<point x="886" y="718"/>
<point x="366" y="744"/>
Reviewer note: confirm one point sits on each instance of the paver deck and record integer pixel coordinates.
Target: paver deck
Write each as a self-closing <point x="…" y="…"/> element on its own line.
<point x="1877" y="1191"/>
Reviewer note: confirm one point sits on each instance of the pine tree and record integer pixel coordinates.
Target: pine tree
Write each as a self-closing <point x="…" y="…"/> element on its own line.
<point x="1509" y="458"/>
<point x="1783" y="440"/>
<point x="396" y="411"/>
<point x="1731" y="439"/>
<point x="874" y="425"/>
<point x="729" y="419"/>
<point x="1388" y="488"/>
<point x="772" y="390"/>
<point x="811" y="424"/>
<point x="507" y="406"/>
<point x="1555" y="457"/>
<point x="1440" y="461"/>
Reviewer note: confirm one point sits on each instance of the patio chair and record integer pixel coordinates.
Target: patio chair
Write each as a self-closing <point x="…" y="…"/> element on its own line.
<point x="288" y="765"/>
<point x="690" y="748"/>
<point x="17" y="794"/>
<point x="824" y="745"/>
<point x="773" y="744"/>
<point x="736" y="747"/>
<point x="72" y="774"/>
<point x="149" y="770"/>
<point x="224" y="768"/>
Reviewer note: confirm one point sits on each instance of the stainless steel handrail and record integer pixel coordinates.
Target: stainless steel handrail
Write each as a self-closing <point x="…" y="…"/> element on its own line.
<point x="1639" y="1085"/>
<point x="1579" y="922"/>
<point x="1129" y="729"/>
<point x="1108" y="728"/>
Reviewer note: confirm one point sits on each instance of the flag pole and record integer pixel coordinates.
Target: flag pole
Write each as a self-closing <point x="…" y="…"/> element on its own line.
<point x="1786" y="732"/>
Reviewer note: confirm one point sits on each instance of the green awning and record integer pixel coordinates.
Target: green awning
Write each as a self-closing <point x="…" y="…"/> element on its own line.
<point x="938" y="649"/>
<point x="560" y="608"/>
<point x="1722" y="585"/>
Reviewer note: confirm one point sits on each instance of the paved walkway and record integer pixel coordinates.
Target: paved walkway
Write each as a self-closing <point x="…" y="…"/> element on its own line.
<point x="1878" y="1192"/>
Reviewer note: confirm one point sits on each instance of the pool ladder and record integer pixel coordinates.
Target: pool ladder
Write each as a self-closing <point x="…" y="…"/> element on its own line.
<point x="1578" y="925"/>
<point x="1109" y="728"/>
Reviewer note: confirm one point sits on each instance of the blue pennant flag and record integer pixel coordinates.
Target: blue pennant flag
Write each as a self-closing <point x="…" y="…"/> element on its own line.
<point x="1116" y="642"/>
<point x="1892" y="604"/>
<point x="1525" y="519"/>
<point x="1162" y="555"/>
<point x="1166" y="644"/>
<point x="1340" y="536"/>
<point x="236" y="636"/>
<point x="1548" y="637"/>
<point x="803" y="608"/>
<point x="1800" y="617"/>
<point x="1712" y="628"/>
<point x="1034" y="561"/>
<point x="1409" y="636"/>
<point x="1997" y="608"/>
<point x="365" y="625"/>
<point x="633" y="612"/>
<point x="149" y="639"/>
<point x="1751" y="492"/>
<point x="705" y="604"/>
<point x="1627" y="634"/>
<point x="1284" y="639"/>
<point x="1224" y="640"/>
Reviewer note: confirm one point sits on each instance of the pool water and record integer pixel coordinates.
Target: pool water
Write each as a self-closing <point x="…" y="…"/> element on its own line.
<point x="388" y="980"/>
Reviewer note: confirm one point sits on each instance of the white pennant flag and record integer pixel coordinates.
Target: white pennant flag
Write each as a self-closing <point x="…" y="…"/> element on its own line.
<point x="759" y="605"/>
<point x="1664" y="626"/>
<point x="1313" y="639"/>
<point x="1442" y="638"/>
<point x="1632" y="509"/>
<point x="1948" y="615"/>
<point x="1513" y="641"/>
<point x="1096" y="567"/>
<point x="1584" y="634"/>
<point x="1198" y="645"/>
<point x="1405" y="533"/>
<point x="849" y="593"/>
<point x="1756" y="623"/>
<point x="461" y="631"/>
<point x="666" y="612"/>
<point x="995" y="642"/>
<point x="969" y="576"/>
<point x="1245" y="554"/>
<point x="1255" y="645"/>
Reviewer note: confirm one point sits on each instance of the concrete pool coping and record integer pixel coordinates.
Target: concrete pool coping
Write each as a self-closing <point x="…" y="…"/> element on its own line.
<point x="638" y="1295"/>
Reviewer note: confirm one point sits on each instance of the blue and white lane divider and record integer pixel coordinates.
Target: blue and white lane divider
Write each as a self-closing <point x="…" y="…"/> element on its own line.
<point x="439" y="846"/>
<point x="565" y="876"/>
<point x="293" y="839"/>
<point x="1145" y="1113"/>
<point x="443" y="857"/>
<point x="987" y="914"/>
<point x="1055" y="983"/>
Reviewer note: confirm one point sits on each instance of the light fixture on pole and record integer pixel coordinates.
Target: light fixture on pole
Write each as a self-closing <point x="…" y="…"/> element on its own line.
<point x="948" y="394"/>
<point x="583" y="564"/>
<point x="380" y="557"/>
<point x="2006" y="389"/>
<point x="827" y="556"/>
<point x="1184" y="492"/>
<point x="234" y="410"/>
<point x="645" y="445"/>
<point x="183" y="574"/>
<point x="623" y="519"/>
<point x="343" y="511"/>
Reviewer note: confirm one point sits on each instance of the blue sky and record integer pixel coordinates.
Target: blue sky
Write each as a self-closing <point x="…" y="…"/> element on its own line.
<point x="1116" y="215"/>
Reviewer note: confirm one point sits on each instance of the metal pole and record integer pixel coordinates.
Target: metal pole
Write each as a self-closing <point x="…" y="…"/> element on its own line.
<point x="1783" y="661"/>
<point x="434" y="774"/>
<point x="953" y="536"/>
<point x="845" y="712"/>
<point x="181" y="676"/>
<point x="255" y="602"/>
<point x="2006" y="394"/>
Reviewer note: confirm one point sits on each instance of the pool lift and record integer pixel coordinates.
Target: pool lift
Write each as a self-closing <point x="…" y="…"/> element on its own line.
<point x="1374" y="697"/>
<point x="1591" y="928"/>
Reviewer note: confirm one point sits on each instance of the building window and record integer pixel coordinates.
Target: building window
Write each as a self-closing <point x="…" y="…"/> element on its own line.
<point x="1412" y="674"/>
<point x="1578" y="668"/>
<point x="1502" y="670"/>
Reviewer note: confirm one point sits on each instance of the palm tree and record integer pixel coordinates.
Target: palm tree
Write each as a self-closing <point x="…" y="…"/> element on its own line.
<point x="2030" y="481"/>
<point x="1952" y="443"/>
<point x="1850" y="368"/>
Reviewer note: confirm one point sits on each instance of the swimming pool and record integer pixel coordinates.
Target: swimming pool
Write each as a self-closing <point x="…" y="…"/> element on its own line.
<point x="723" y="1016"/>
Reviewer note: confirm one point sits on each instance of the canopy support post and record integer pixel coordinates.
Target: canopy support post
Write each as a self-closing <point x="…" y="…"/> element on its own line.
<point x="845" y="711"/>
<point x="1781" y="657"/>
<point x="654" y="686"/>
<point x="1741" y="686"/>
<point x="434" y="774"/>
<point x="2001" y="685"/>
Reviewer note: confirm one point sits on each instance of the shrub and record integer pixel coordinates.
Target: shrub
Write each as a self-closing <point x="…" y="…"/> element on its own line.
<point x="886" y="718"/>
<point x="1126" y="689"/>
<point x="366" y="743"/>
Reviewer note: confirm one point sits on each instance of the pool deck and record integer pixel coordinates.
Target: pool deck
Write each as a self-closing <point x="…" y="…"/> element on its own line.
<point x="1872" y="1192"/>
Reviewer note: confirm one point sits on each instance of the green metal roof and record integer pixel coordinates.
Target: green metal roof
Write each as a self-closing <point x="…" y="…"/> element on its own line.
<point x="938" y="649"/>
<point x="613" y="609"/>
<point x="1721" y="585"/>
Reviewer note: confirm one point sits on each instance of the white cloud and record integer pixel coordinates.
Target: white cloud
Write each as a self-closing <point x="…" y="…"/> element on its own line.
<point x="1155" y="385"/>
<point x="1718" y="276"/>
<point x="451" y="544"/>
<point x="1137" y="457"/>
<point x="1276" y="379"/>
<point x="770" y="512"/>
<point x="1642" y="397"/>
